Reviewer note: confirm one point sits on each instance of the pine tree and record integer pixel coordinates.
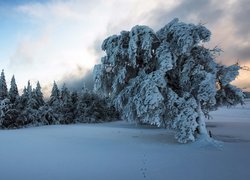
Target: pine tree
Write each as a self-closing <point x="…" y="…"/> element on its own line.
<point x="74" y="97"/>
<point x="92" y="108"/>
<point x="13" y="92"/>
<point x="12" y="111"/>
<point x="3" y="87"/>
<point x="167" y="78"/>
<point x="28" y="107"/>
<point x="55" y="95"/>
<point x="5" y="106"/>
<point x="65" y="94"/>
<point x="82" y="105"/>
<point x="32" y="102"/>
<point x="51" y="114"/>
<point x="29" y="89"/>
<point x="38" y="95"/>
<point x="66" y="106"/>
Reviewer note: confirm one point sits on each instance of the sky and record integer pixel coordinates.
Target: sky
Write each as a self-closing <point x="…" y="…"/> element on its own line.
<point x="59" y="40"/>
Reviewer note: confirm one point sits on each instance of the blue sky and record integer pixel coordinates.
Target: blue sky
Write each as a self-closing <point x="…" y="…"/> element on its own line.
<point x="60" y="40"/>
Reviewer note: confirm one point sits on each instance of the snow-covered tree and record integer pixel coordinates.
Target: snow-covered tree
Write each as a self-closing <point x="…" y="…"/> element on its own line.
<point x="13" y="92"/>
<point x="92" y="108"/>
<point x="3" y="87"/>
<point x="65" y="93"/>
<point x="27" y="107"/>
<point x="32" y="102"/>
<point x="55" y="95"/>
<point x="38" y="95"/>
<point x="47" y="116"/>
<point x="51" y="112"/>
<point x="10" y="111"/>
<point x="8" y="114"/>
<point x="166" y="78"/>
<point x="82" y="113"/>
<point x="4" y="107"/>
<point x="66" y="106"/>
<point x="23" y="99"/>
<point x="74" y="97"/>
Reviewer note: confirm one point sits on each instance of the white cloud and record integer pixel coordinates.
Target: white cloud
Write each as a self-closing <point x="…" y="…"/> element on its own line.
<point x="55" y="10"/>
<point x="65" y="32"/>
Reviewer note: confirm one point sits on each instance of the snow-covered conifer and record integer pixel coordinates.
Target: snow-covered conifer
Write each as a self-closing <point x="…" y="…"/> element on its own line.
<point x="167" y="78"/>
<point x="29" y="89"/>
<point x="28" y="107"/>
<point x="32" y="102"/>
<point x="55" y="95"/>
<point x="3" y="87"/>
<point x="38" y="95"/>
<point x="66" y="106"/>
<point x="13" y="92"/>
<point x="92" y="108"/>
<point x="74" y="97"/>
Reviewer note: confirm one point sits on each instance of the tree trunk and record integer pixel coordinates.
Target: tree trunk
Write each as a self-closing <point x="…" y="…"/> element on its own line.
<point x="201" y="121"/>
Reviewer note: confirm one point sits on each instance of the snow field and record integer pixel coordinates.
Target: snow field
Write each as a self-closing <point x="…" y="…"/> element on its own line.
<point x="119" y="150"/>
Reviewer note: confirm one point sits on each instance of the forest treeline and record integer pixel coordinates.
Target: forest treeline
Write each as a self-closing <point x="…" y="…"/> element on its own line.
<point x="63" y="106"/>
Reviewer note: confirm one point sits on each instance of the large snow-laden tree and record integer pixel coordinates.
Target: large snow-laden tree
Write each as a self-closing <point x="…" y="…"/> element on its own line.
<point x="167" y="78"/>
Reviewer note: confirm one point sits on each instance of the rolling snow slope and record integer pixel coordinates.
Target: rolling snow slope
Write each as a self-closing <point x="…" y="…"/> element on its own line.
<point x="121" y="151"/>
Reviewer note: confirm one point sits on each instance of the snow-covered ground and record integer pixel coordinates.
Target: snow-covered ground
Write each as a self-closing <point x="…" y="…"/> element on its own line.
<point x="120" y="151"/>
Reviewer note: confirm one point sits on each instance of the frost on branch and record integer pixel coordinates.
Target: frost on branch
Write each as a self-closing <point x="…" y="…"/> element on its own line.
<point x="167" y="78"/>
<point x="183" y="37"/>
<point x="228" y="94"/>
<point x="141" y="45"/>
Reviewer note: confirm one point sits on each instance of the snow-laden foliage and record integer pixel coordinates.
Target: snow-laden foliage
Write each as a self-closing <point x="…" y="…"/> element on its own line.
<point x="3" y="87"/>
<point x="55" y="95"/>
<point x="166" y="78"/>
<point x="47" y="116"/>
<point x="141" y="44"/>
<point x="183" y="37"/>
<point x="63" y="107"/>
<point x="66" y="107"/>
<point x="38" y="95"/>
<point x="228" y="94"/>
<point x="4" y="107"/>
<point x="92" y="108"/>
<point x="13" y="92"/>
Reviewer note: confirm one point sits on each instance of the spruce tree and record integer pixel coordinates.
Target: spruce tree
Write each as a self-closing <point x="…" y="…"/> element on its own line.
<point x="38" y="95"/>
<point x="55" y="95"/>
<point x="3" y="87"/>
<point x="74" y="97"/>
<point x="66" y="106"/>
<point x="13" y="92"/>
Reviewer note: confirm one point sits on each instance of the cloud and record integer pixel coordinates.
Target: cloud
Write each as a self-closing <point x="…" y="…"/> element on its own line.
<point x="67" y="34"/>
<point x="55" y="43"/>
<point x="204" y="11"/>
<point x="228" y="21"/>
<point x="27" y="50"/>
<point x="76" y="78"/>
<point x="76" y="83"/>
<point x="57" y="10"/>
<point x="241" y="53"/>
<point x="241" y="18"/>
